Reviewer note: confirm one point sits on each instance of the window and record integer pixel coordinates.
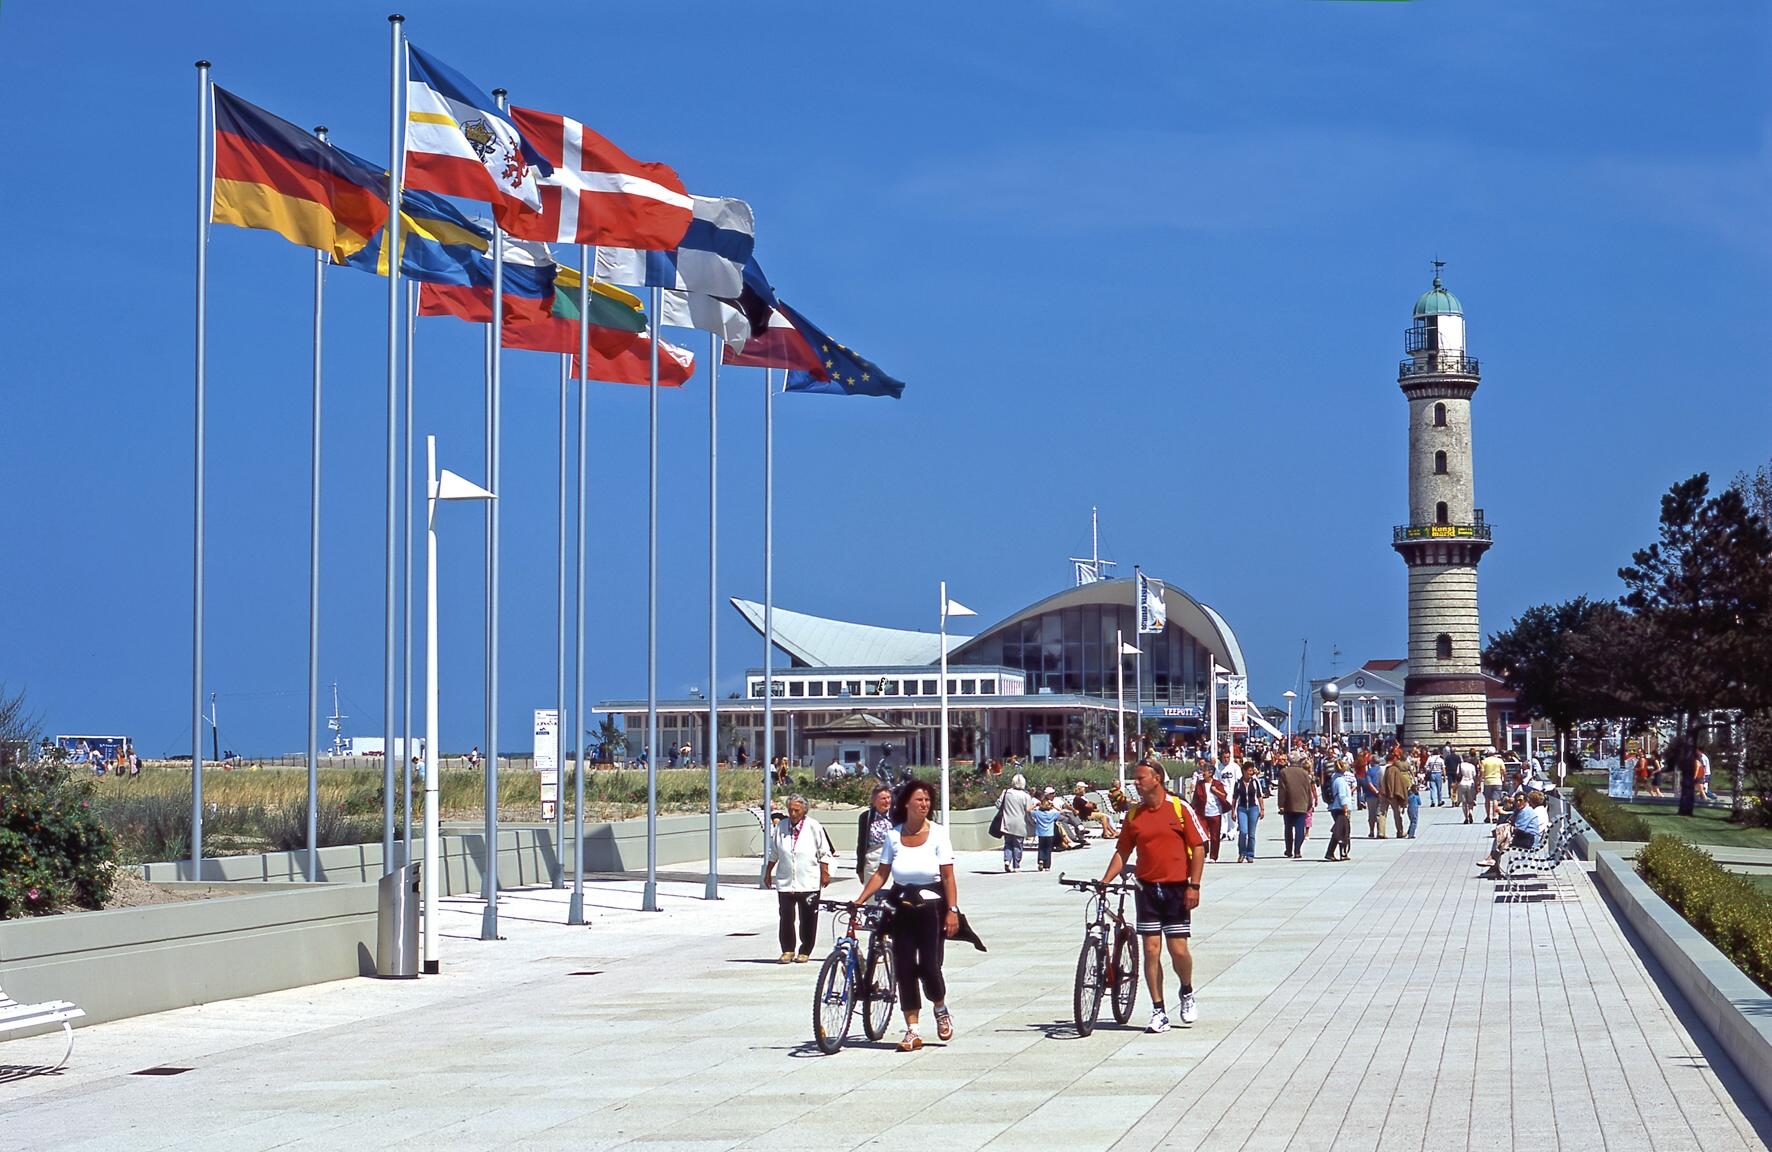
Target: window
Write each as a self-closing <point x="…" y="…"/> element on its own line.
<point x="1439" y="415"/>
<point x="833" y="687"/>
<point x="1445" y="719"/>
<point x="987" y="687"/>
<point x="929" y="688"/>
<point x="1390" y="711"/>
<point x="1440" y="513"/>
<point x="953" y="687"/>
<point x="1371" y="711"/>
<point x="1443" y="647"/>
<point x="968" y="687"/>
<point x="796" y="688"/>
<point x="757" y="689"/>
<point x="1347" y="713"/>
<point x="815" y="688"/>
<point x="854" y="688"/>
<point x="1439" y="463"/>
<point x="891" y="688"/>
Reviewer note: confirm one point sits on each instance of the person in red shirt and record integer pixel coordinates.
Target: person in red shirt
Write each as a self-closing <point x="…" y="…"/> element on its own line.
<point x="1169" y="842"/>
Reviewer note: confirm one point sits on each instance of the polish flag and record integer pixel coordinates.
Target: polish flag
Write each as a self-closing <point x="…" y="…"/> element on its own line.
<point x="597" y="194"/>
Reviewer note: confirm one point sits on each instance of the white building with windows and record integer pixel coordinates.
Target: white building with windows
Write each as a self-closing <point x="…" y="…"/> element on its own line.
<point x="1041" y="682"/>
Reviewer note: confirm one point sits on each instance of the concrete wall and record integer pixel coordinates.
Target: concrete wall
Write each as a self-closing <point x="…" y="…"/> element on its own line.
<point x="284" y="933"/>
<point x="131" y="961"/>
<point x="1737" y="1011"/>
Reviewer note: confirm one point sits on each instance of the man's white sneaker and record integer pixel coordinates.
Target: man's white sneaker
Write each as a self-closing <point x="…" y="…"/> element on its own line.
<point x="1189" y="1011"/>
<point x="1159" y="1021"/>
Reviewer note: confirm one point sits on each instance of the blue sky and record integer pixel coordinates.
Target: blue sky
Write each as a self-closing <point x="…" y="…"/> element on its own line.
<point x="1152" y="257"/>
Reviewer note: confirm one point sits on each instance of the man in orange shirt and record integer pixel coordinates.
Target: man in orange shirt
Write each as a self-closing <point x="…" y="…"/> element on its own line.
<point x="1169" y="842"/>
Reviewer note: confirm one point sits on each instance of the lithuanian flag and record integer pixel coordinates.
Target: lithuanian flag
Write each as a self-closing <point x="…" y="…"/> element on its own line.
<point x="270" y="174"/>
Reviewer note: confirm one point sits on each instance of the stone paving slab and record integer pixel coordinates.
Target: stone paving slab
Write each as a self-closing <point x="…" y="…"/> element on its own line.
<point x="1388" y="1003"/>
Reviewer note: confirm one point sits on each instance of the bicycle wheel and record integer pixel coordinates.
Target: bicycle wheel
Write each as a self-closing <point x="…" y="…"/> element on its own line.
<point x="833" y="1001"/>
<point x="1086" y="997"/>
<point x="879" y="991"/>
<point x="1124" y="974"/>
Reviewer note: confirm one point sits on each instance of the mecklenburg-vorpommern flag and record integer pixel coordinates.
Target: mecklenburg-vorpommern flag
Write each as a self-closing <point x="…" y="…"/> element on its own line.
<point x="774" y="342"/>
<point x="849" y="374"/>
<point x="270" y="174"/>
<point x="459" y="143"/>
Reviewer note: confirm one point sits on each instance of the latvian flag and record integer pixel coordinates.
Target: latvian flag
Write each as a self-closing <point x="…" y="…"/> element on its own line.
<point x="459" y="144"/>
<point x="597" y="194"/>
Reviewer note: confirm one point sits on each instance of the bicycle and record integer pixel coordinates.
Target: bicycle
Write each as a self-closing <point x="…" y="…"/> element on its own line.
<point x="1105" y="966"/>
<point x="849" y="976"/>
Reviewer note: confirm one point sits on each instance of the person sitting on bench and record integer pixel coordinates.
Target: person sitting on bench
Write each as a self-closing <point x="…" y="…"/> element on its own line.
<point x="1522" y="830"/>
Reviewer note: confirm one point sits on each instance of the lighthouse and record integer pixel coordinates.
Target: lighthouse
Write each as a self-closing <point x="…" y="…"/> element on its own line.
<point x="1446" y="536"/>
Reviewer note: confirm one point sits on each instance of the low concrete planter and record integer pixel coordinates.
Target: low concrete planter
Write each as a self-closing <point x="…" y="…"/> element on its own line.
<point x="1735" y="1009"/>
<point x="131" y="961"/>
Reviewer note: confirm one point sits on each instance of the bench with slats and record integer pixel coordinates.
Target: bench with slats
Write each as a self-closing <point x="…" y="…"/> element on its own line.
<point x="16" y="1017"/>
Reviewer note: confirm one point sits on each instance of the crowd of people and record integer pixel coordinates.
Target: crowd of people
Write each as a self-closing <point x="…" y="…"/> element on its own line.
<point x="1168" y="829"/>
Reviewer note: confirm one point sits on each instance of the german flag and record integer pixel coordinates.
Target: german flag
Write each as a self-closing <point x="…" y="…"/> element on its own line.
<point x="270" y="174"/>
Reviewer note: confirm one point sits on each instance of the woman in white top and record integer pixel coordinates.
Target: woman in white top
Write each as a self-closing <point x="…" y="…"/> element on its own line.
<point x="918" y="860"/>
<point x="800" y="864"/>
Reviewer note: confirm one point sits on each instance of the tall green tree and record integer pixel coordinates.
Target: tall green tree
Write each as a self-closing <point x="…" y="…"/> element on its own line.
<point x="1705" y="588"/>
<point x="1539" y="658"/>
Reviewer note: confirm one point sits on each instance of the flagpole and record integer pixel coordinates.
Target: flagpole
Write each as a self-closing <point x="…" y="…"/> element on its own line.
<point x="1138" y="660"/>
<point x="715" y="347"/>
<point x="1120" y="696"/>
<point x="204" y="142"/>
<point x="406" y="582"/>
<point x="649" y="898"/>
<point x="313" y="840"/>
<point x="575" y="911"/>
<point x="768" y="748"/>
<point x="489" y="879"/>
<point x="559" y="868"/>
<point x="1212" y="706"/>
<point x="943" y="641"/>
<point x="391" y="245"/>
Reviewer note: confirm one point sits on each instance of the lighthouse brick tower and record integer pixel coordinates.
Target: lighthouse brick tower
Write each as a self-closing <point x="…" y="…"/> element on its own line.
<point x="1444" y="696"/>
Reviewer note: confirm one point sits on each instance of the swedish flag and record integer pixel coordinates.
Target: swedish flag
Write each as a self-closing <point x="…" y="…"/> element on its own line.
<point x="850" y="374"/>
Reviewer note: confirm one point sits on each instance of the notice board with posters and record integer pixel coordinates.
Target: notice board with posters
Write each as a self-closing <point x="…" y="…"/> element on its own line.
<point x="547" y="758"/>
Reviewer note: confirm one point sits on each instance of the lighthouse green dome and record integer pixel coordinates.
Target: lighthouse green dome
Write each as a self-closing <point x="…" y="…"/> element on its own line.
<point x="1436" y="301"/>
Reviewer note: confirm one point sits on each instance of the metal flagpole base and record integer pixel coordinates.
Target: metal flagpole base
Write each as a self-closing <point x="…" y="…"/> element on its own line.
<point x="575" y="910"/>
<point x="712" y="892"/>
<point x="649" y="897"/>
<point x="433" y="968"/>
<point x="489" y="923"/>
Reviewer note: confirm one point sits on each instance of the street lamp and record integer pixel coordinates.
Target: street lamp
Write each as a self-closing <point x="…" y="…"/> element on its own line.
<point x="1290" y="696"/>
<point x="1331" y="692"/>
<point x="447" y="486"/>
<point x="948" y="608"/>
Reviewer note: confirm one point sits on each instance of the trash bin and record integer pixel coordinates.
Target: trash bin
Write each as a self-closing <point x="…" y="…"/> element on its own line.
<point x="396" y="936"/>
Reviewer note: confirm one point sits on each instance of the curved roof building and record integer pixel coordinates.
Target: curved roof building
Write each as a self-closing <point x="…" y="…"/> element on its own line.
<point x="1041" y="681"/>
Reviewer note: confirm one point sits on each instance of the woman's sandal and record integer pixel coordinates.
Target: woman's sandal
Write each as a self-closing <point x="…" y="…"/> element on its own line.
<point x="911" y="1041"/>
<point x="944" y="1026"/>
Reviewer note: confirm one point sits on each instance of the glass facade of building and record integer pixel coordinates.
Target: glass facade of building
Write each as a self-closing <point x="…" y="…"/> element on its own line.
<point x="1071" y="650"/>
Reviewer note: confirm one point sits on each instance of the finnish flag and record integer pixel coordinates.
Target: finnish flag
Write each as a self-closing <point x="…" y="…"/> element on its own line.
<point x="710" y="259"/>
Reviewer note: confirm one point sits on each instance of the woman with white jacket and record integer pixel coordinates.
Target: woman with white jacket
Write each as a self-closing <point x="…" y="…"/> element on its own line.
<point x="1014" y="808"/>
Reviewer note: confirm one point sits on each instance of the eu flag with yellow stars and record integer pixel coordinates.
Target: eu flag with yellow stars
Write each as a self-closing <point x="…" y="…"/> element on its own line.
<point x="850" y="374"/>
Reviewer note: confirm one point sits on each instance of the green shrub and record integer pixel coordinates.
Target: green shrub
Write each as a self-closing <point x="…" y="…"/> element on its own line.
<point x="1727" y="908"/>
<point x="1609" y="818"/>
<point x="53" y="849"/>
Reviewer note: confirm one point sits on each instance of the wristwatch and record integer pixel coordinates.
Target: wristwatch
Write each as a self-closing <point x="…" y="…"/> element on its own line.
<point x="954" y="909"/>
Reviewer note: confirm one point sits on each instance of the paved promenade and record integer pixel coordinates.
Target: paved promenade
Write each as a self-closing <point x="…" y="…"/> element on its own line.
<point x="1389" y="1003"/>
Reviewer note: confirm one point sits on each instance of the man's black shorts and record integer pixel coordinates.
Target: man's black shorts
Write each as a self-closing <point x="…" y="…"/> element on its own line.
<point x="1161" y="909"/>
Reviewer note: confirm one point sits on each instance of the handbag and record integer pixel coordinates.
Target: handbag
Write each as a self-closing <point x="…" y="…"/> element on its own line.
<point x="996" y="828"/>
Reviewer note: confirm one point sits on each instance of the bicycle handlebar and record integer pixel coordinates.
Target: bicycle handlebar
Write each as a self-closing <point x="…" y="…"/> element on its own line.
<point x="1096" y="885"/>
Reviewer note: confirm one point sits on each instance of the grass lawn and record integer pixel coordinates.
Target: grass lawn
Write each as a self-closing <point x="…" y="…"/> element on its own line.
<point x="1706" y="825"/>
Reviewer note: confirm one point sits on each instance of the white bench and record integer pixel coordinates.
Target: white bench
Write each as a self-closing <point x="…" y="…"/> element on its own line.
<point x="16" y="1017"/>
